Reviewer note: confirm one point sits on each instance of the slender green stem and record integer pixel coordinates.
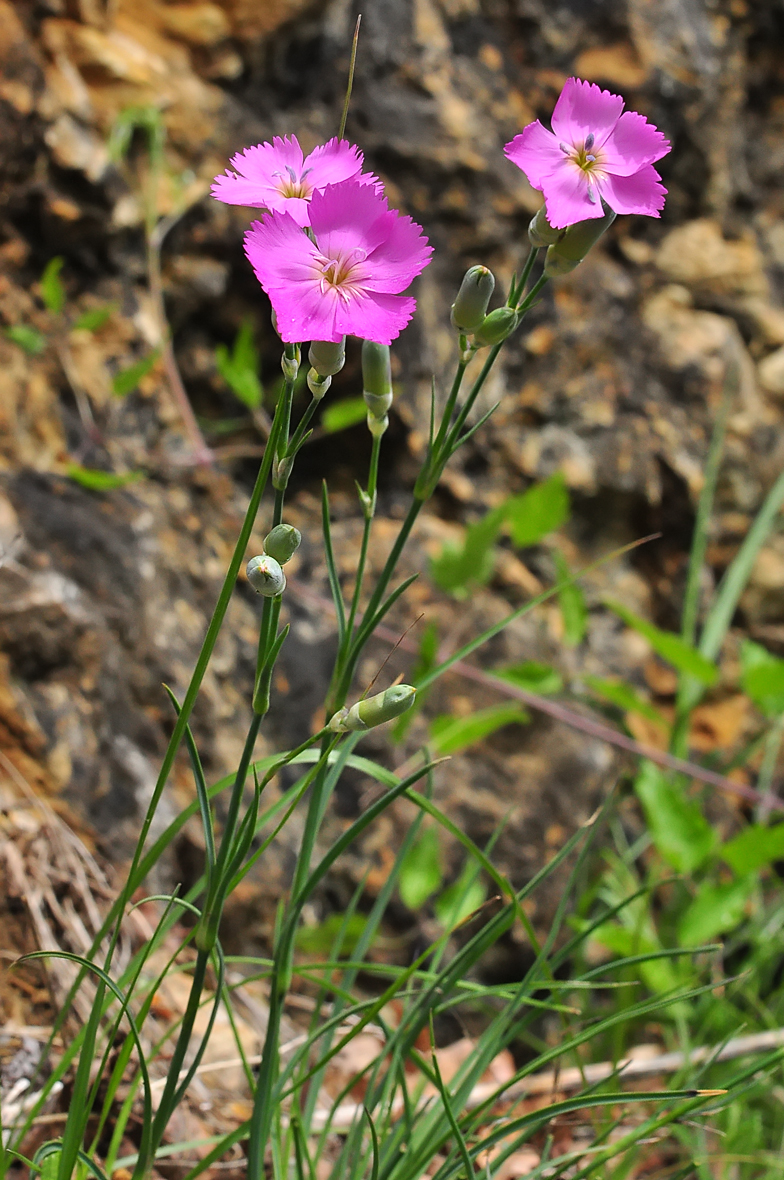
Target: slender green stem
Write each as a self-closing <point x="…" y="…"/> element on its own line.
<point x="298" y="436"/>
<point x="166" y="1105"/>
<point x="517" y="290"/>
<point x="350" y="84"/>
<point x="368" y="524"/>
<point x="261" y="1120"/>
<point x="449" y="408"/>
<point x="202" y="662"/>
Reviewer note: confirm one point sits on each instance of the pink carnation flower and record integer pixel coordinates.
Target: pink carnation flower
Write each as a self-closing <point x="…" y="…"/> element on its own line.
<point x="275" y="175"/>
<point x="346" y="279"/>
<point x="596" y="152"/>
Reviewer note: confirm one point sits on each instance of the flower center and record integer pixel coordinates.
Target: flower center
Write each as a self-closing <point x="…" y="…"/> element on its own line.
<point x="343" y="273"/>
<point x="291" y="185"/>
<point x="587" y="159"/>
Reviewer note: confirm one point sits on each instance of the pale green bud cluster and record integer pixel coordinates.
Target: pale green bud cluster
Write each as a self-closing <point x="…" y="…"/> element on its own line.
<point x="470" y="315"/>
<point x="376" y="385"/>
<point x="384" y="706"/>
<point x="282" y="543"/>
<point x="566" y="248"/>
<point x="266" y="576"/>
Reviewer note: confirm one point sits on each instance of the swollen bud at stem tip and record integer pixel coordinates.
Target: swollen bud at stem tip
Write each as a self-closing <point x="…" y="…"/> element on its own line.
<point x="470" y="307"/>
<point x="265" y="576"/>
<point x="282" y="543"/>
<point x="496" y="326"/>
<point x="326" y="357"/>
<point x="540" y="232"/>
<point x="376" y="378"/>
<point x="384" y="706"/>
<point x="569" y="251"/>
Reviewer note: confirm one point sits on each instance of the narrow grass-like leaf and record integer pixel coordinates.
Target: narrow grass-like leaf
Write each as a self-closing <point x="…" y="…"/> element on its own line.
<point x="202" y="793"/>
<point x="332" y="570"/>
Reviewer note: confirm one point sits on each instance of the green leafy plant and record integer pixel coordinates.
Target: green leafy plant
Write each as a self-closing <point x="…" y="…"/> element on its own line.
<point x="239" y="367"/>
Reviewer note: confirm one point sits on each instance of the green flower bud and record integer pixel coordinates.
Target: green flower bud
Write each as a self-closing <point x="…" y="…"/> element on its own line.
<point x="290" y="364"/>
<point x="496" y="326"/>
<point x="376" y="379"/>
<point x="282" y="543"/>
<point x="377" y="425"/>
<point x="540" y="232"/>
<point x="265" y="576"/>
<point x="384" y="706"/>
<point x="281" y="470"/>
<point x="577" y="240"/>
<point x="470" y="307"/>
<point x="317" y="385"/>
<point x="376" y="368"/>
<point x="326" y="357"/>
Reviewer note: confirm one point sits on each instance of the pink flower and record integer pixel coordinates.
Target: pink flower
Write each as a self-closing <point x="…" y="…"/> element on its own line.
<point x="275" y="176"/>
<point x="596" y="152"/>
<point x="346" y="278"/>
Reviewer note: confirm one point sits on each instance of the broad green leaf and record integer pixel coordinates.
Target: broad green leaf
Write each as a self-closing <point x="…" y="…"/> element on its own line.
<point x="534" y="677"/>
<point x="420" y="870"/>
<point x="537" y="512"/>
<point x="450" y="735"/>
<point x="717" y="909"/>
<point x="670" y="647"/>
<point x="52" y="289"/>
<point x="26" y="337"/>
<point x="762" y="678"/>
<point x="100" y="481"/>
<point x="658" y="975"/>
<point x="92" y="320"/>
<point x="625" y="697"/>
<point x="240" y="367"/>
<point x="319" y="940"/>
<point x="460" y="567"/>
<point x="127" y="379"/>
<point x="458" y="901"/>
<point x="342" y="414"/>
<point x="755" y="847"/>
<point x="571" y="600"/>
<point x="682" y="835"/>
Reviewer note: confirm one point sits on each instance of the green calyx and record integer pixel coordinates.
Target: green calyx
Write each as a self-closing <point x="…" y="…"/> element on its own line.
<point x="540" y="232"/>
<point x="569" y="251"/>
<point x="266" y="576"/>
<point x="326" y="357"/>
<point x="282" y="543"/>
<point x="470" y="307"/>
<point x="496" y="326"/>
<point x="367" y="714"/>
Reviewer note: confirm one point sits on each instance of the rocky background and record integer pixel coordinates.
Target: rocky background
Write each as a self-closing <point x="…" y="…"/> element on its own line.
<point x="614" y="379"/>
